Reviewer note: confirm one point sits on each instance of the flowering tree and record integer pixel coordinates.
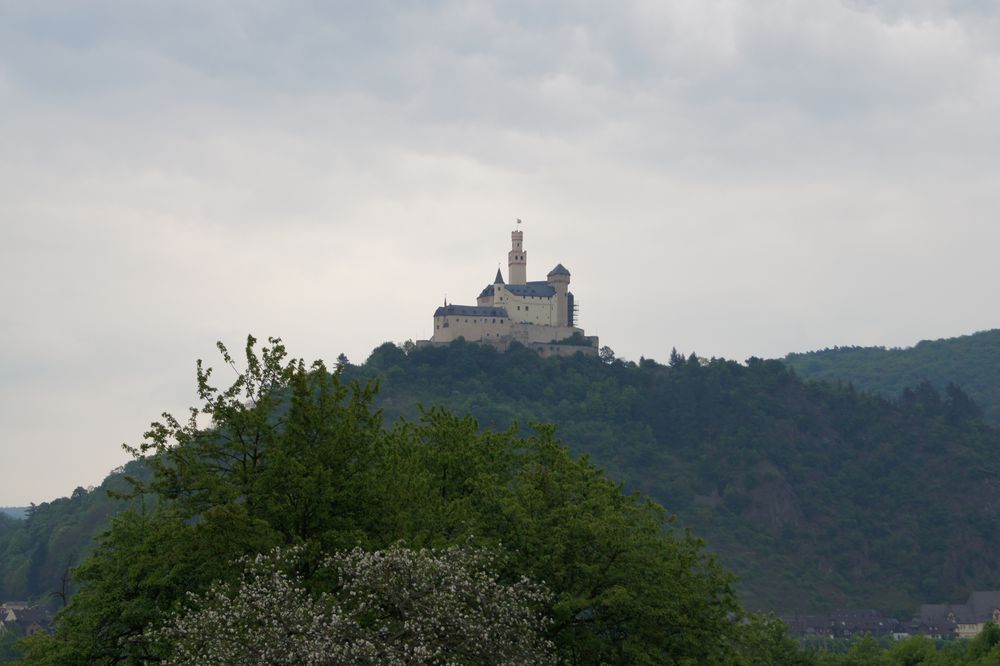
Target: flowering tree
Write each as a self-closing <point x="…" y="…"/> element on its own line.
<point x="297" y="455"/>
<point x="394" y="606"/>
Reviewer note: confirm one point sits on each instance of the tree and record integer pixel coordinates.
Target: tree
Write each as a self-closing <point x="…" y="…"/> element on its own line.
<point x="987" y="643"/>
<point x="8" y="649"/>
<point x="607" y="354"/>
<point x="393" y="606"/>
<point x="626" y="587"/>
<point x="676" y="358"/>
<point x="290" y="454"/>
<point x="763" y="640"/>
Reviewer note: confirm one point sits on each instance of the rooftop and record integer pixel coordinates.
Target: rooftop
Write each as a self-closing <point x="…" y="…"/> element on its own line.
<point x="469" y="311"/>
<point x="539" y="289"/>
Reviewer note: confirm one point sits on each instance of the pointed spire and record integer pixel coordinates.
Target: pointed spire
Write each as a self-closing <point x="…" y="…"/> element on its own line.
<point x="499" y="278"/>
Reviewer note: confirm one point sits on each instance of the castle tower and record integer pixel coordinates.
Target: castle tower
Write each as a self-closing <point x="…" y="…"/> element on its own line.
<point x="517" y="259"/>
<point x="558" y="279"/>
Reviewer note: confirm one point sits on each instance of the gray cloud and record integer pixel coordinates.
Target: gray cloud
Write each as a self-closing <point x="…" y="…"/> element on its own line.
<point x="727" y="177"/>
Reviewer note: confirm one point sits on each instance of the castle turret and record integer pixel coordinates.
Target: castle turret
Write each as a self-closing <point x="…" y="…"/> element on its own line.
<point x="517" y="259"/>
<point x="558" y="279"/>
<point x="539" y="315"/>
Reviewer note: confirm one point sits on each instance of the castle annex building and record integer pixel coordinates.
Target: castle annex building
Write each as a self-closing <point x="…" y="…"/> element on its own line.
<point x="540" y="315"/>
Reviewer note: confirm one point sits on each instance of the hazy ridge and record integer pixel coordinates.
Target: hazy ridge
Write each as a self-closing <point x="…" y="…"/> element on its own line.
<point x="970" y="361"/>
<point x="817" y="495"/>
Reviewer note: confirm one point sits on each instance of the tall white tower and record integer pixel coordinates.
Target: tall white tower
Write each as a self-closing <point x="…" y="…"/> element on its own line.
<point x="517" y="259"/>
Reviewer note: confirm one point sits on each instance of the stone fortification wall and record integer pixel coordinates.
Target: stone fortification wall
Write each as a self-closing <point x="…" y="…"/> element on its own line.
<point x="537" y="310"/>
<point x="453" y="327"/>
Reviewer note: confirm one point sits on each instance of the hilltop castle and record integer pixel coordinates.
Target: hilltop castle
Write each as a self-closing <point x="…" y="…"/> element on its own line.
<point x="540" y="315"/>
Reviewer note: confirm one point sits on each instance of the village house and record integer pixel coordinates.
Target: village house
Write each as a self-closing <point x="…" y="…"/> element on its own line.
<point x="958" y="620"/>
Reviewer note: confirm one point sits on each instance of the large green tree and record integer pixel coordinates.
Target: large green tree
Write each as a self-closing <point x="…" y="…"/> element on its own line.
<point x="289" y="454"/>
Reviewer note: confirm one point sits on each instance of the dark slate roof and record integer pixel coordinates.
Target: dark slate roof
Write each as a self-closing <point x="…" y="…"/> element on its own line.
<point x="488" y="291"/>
<point x="532" y="289"/>
<point x="469" y="311"/>
<point x="982" y="603"/>
<point x="499" y="278"/>
<point x="979" y="608"/>
<point x="932" y="612"/>
<point x="559" y="270"/>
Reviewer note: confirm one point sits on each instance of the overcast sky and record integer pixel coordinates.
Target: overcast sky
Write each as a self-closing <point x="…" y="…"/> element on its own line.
<point x="734" y="178"/>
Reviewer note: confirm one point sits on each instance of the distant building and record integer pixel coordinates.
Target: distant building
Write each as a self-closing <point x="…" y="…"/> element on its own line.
<point x="958" y="620"/>
<point x="23" y="620"/>
<point x="841" y="624"/>
<point x="540" y="315"/>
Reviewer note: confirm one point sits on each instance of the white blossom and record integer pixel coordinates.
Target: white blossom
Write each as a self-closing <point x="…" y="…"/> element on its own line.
<point x="395" y="606"/>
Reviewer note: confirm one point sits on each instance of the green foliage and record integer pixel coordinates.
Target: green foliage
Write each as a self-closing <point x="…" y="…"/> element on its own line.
<point x="8" y="648"/>
<point x="968" y="361"/>
<point x="576" y="339"/>
<point x="297" y="456"/>
<point x="816" y="495"/>
<point x="987" y="643"/>
<point x="16" y="512"/>
<point x="763" y="640"/>
<point x="36" y="553"/>
<point x="915" y="651"/>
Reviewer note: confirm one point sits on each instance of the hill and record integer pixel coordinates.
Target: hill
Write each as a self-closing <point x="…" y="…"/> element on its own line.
<point x="36" y="552"/>
<point x="816" y="495"/>
<point x="17" y="512"/>
<point x="970" y="361"/>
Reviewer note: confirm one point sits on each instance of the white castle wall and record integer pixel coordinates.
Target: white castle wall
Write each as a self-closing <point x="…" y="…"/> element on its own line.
<point x="536" y="321"/>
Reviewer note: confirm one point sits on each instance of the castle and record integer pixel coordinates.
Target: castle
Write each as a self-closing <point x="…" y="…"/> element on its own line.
<point x="540" y="315"/>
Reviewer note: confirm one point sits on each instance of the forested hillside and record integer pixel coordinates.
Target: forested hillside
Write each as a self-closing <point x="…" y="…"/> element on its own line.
<point x="970" y="361"/>
<point x="14" y="511"/>
<point x="299" y="529"/>
<point x="36" y="552"/>
<point x="816" y="495"/>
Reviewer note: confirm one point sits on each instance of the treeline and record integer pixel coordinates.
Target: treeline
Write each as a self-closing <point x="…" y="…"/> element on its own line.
<point x="302" y="529"/>
<point x="969" y="361"/>
<point x="983" y="650"/>
<point x="38" y="551"/>
<point x="817" y="495"/>
<point x="13" y="511"/>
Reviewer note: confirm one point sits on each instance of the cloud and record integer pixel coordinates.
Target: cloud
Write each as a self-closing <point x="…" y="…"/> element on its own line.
<point x="727" y="177"/>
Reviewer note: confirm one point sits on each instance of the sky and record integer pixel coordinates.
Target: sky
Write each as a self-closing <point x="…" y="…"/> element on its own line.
<point x="725" y="177"/>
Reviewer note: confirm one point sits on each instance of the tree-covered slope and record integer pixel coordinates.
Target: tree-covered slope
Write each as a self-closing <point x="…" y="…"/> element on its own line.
<point x="14" y="511"/>
<point x="970" y="361"/>
<point x="815" y="494"/>
<point x="37" y="551"/>
<point x="301" y="466"/>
